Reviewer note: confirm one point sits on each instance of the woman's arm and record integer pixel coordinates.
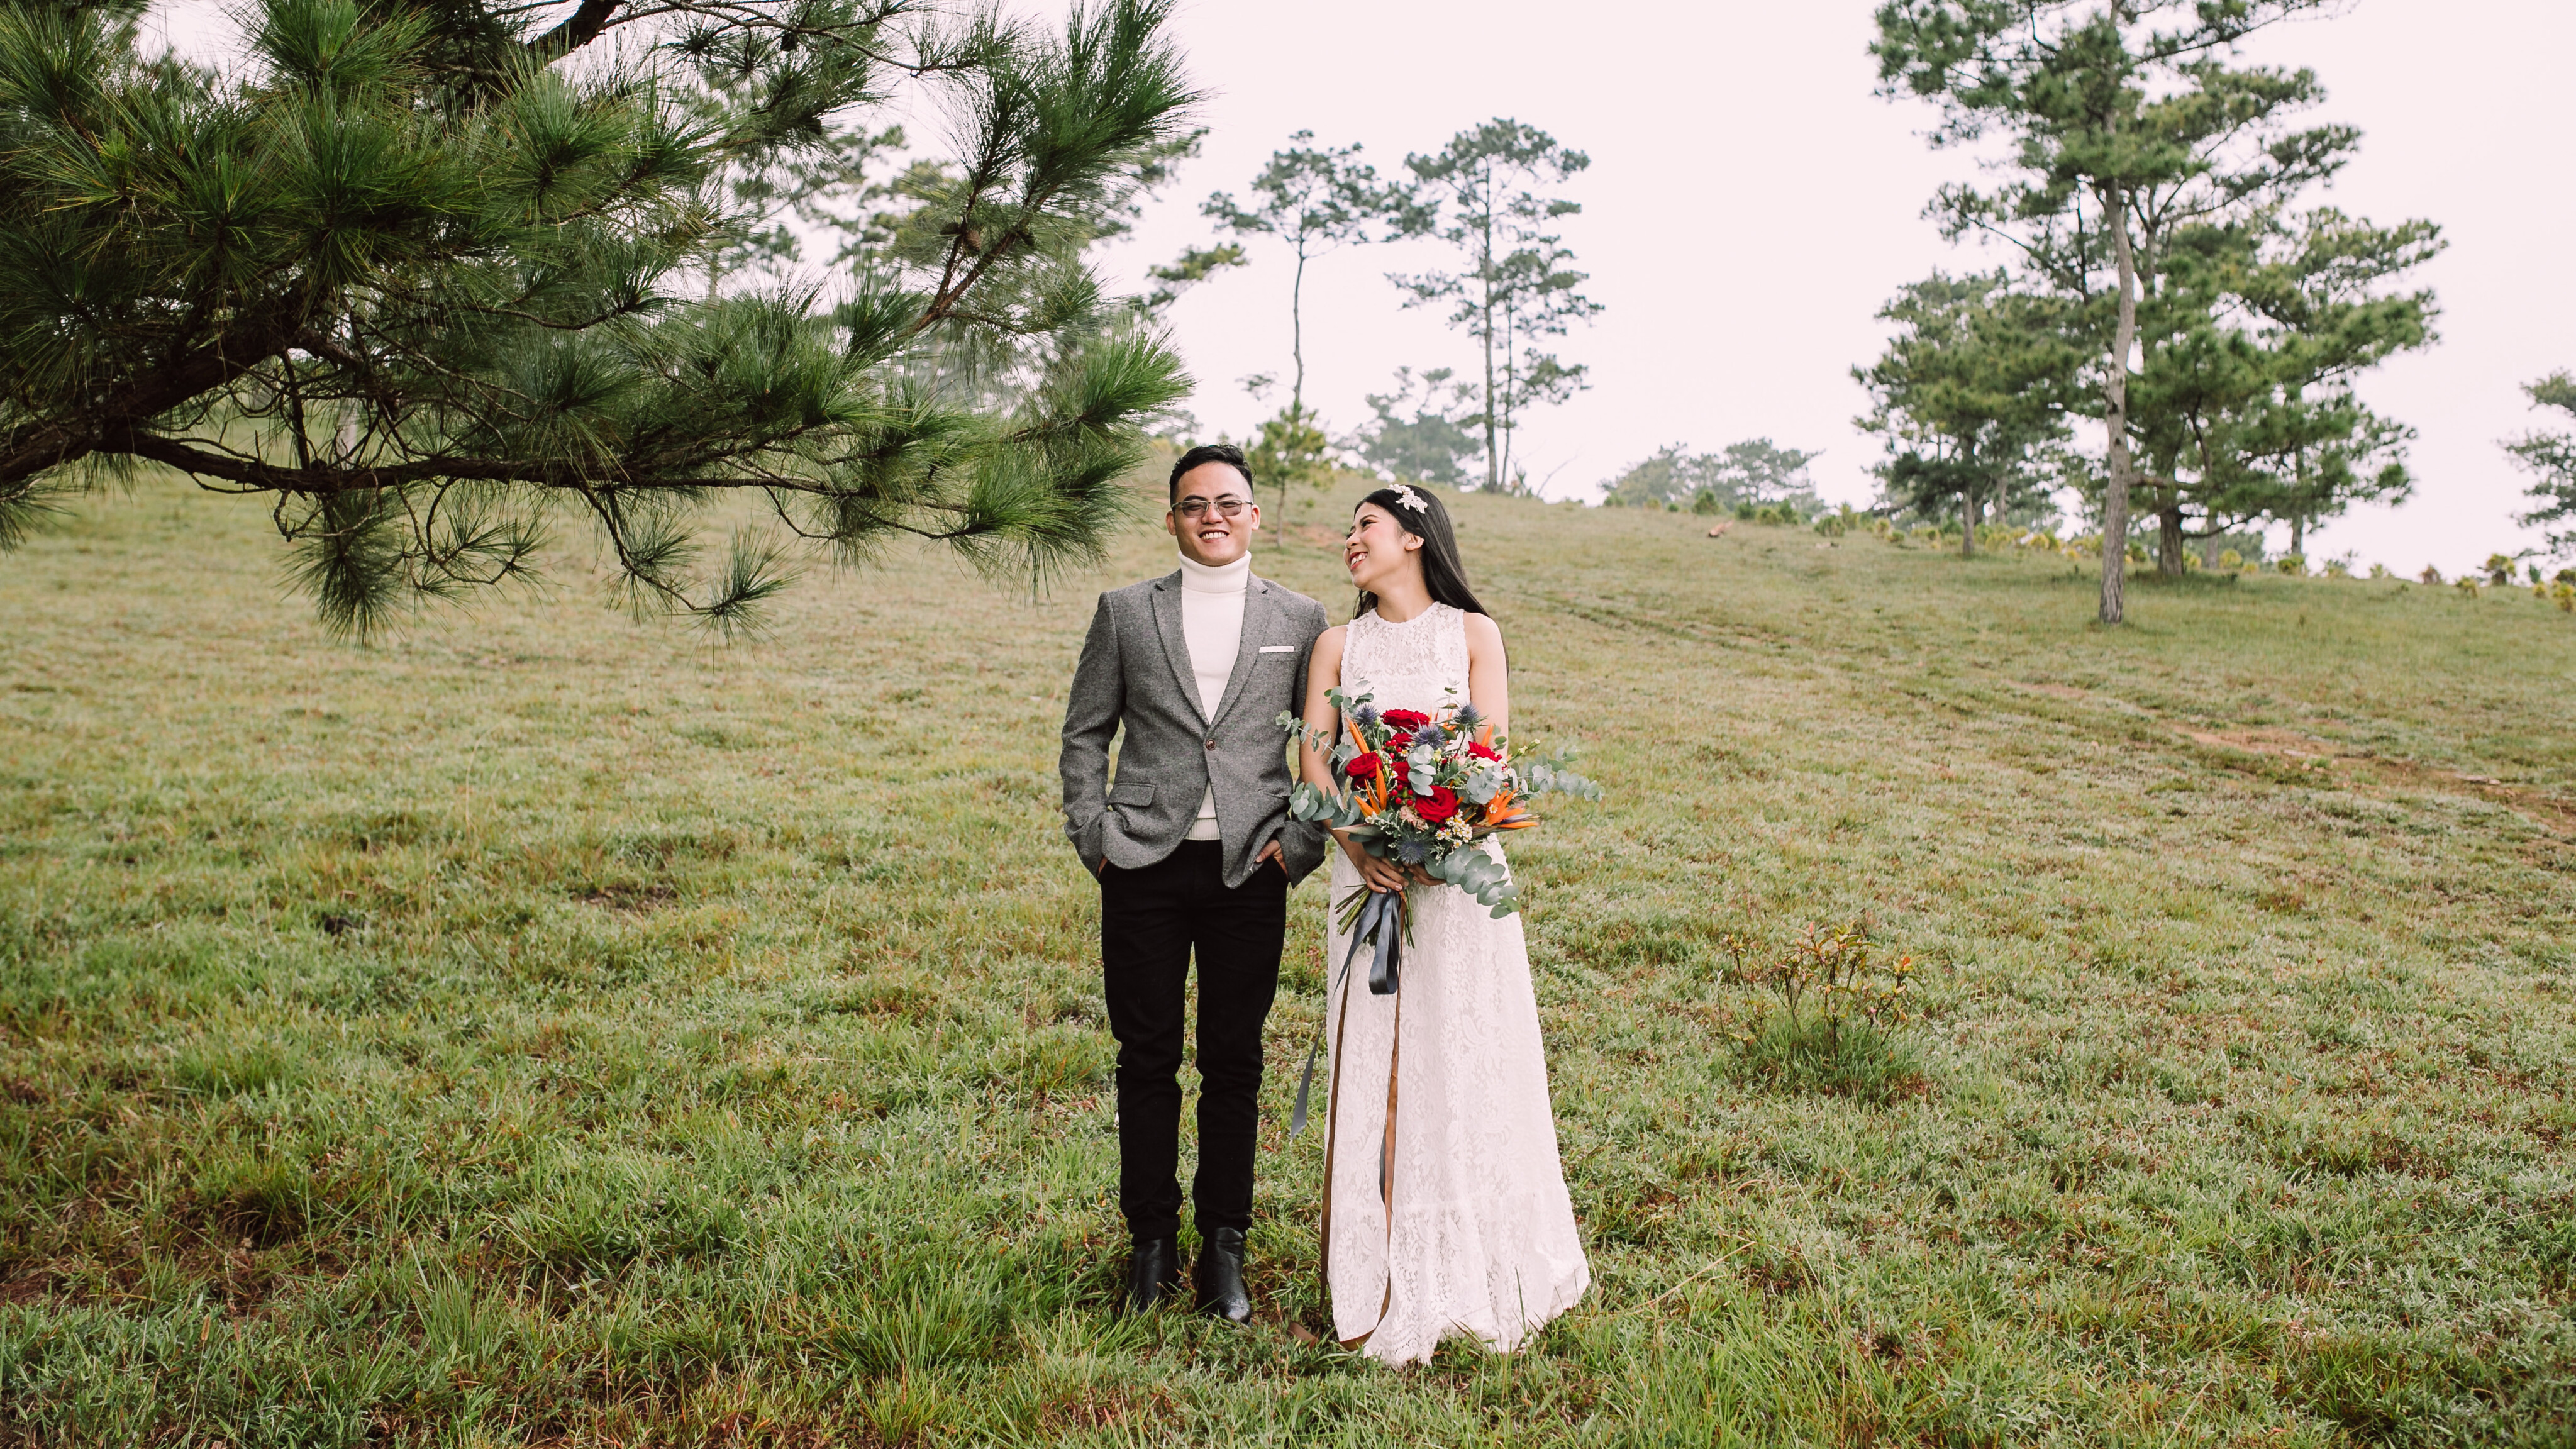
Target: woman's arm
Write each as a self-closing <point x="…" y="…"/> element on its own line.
<point x="1322" y="674"/>
<point x="1489" y="677"/>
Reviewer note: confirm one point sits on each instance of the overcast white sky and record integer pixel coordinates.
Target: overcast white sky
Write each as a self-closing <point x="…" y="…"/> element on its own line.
<point x="1750" y="204"/>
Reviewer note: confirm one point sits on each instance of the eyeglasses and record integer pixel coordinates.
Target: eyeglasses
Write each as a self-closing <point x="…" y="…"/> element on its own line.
<point x="1195" y="508"/>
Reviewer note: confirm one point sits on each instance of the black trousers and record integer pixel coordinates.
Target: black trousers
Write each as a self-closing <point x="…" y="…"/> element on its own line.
<point x="1151" y="920"/>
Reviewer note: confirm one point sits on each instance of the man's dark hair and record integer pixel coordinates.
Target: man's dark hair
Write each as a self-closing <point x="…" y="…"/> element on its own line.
<point x="1226" y="453"/>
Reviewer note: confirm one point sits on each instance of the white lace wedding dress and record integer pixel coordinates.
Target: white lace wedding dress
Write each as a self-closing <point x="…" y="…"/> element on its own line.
<point x="1454" y="1219"/>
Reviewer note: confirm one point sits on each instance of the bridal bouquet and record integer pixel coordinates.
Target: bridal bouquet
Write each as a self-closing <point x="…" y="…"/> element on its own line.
<point x="1423" y="790"/>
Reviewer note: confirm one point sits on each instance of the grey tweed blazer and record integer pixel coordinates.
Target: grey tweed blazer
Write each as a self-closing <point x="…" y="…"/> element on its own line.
<point x="1135" y="671"/>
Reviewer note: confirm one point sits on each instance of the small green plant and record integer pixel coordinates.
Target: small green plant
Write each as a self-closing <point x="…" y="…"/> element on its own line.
<point x="1837" y="968"/>
<point x="2563" y="594"/>
<point x="2230" y="559"/>
<point x="2293" y="564"/>
<point x="2431" y="575"/>
<point x="1837" y="1013"/>
<point x="2468" y="585"/>
<point x="2380" y="571"/>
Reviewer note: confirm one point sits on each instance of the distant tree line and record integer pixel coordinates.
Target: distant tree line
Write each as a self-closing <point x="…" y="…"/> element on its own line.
<point x="1756" y="474"/>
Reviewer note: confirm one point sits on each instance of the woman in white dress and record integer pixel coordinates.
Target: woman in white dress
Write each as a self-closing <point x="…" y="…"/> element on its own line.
<point x="1445" y="1208"/>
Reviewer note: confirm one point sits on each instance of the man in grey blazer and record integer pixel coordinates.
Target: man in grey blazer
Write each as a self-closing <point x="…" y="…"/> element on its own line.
<point x="1194" y="850"/>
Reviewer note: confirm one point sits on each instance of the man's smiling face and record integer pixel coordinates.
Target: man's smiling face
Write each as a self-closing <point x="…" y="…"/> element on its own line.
<point x="1200" y="518"/>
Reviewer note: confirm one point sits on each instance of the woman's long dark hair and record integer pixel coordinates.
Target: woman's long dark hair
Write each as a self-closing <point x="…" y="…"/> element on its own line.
<point x="1442" y="571"/>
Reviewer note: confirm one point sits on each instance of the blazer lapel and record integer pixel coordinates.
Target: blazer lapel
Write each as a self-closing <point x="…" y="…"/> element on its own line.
<point x="1176" y="639"/>
<point x="1247" y="648"/>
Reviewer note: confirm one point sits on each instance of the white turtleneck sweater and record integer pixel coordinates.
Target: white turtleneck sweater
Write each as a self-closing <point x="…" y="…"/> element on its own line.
<point x="1212" y="622"/>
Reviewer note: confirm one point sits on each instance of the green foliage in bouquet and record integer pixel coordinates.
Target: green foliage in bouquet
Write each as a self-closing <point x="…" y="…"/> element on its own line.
<point x="1423" y="791"/>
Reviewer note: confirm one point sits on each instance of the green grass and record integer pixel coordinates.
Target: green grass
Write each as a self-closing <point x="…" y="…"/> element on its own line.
<point x="547" y="1027"/>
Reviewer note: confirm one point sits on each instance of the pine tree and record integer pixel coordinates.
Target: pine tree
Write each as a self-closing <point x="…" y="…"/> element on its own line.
<point x="1970" y="396"/>
<point x="2551" y="457"/>
<point x="2251" y="339"/>
<point x="1315" y="200"/>
<point x="1473" y="194"/>
<point x="422" y="281"/>
<point x="2126" y="124"/>
<point x="1421" y="429"/>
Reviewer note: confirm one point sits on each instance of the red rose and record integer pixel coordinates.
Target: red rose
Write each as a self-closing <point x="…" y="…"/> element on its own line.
<point x="1399" y="773"/>
<point x="1437" y="806"/>
<point x="1483" y="752"/>
<point x="1398" y="744"/>
<point x="1361" y="767"/>
<point x="1406" y="719"/>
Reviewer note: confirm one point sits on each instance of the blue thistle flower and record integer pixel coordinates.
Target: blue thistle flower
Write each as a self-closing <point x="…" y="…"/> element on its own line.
<point x="1430" y="735"/>
<point x="1412" y="851"/>
<point x="1469" y="716"/>
<point x="1366" y="714"/>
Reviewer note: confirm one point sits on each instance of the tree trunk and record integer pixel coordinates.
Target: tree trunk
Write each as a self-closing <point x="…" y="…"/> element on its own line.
<point x="2169" y="539"/>
<point x="1485" y="274"/>
<point x="2299" y="514"/>
<point x="2115" y="490"/>
<point x="1297" y="336"/>
<point x="1967" y="523"/>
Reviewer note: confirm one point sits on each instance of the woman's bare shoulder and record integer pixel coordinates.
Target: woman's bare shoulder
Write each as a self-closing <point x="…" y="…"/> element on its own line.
<point x="1481" y="629"/>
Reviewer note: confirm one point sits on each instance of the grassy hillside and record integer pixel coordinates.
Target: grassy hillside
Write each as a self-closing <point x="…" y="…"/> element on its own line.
<point x="547" y="1027"/>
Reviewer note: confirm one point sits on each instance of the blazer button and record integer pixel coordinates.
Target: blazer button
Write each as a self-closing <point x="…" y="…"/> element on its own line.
<point x="1211" y="746"/>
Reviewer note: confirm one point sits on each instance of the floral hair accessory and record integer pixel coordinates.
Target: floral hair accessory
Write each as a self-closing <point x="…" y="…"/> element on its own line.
<point x="1405" y="495"/>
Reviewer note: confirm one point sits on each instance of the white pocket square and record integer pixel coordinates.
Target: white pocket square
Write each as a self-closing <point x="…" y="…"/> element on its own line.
<point x="1278" y="648"/>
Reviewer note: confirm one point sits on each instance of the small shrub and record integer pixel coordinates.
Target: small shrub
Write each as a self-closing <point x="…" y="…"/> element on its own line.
<point x="2229" y="558"/>
<point x="2563" y="594"/>
<point x="2380" y="571"/>
<point x="2468" y="585"/>
<point x="2293" y="564"/>
<point x="2499" y="570"/>
<point x="1839" y="1011"/>
<point x="2431" y="575"/>
<point x="1744" y="512"/>
<point x="1705" y="502"/>
<point x="2339" y="568"/>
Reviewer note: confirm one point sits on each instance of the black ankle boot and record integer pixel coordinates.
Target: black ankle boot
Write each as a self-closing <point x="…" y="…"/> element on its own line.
<point x="1153" y="1270"/>
<point x="1220" y="1277"/>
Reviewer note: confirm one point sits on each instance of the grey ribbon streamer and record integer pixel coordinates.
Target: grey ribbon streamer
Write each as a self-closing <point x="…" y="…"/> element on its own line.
<point x="1381" y="923"/>
<point x="1381" y="927"/>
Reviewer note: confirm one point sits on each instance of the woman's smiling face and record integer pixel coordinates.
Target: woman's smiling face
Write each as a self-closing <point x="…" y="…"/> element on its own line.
<point x="1378" y="547"/>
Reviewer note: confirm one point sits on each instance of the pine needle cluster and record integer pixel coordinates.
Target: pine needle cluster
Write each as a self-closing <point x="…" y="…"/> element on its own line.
<point x="430" y="282"/>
